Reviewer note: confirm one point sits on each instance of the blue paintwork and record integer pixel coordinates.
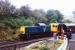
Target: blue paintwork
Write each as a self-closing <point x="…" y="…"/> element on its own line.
<point x="37" y="29"/>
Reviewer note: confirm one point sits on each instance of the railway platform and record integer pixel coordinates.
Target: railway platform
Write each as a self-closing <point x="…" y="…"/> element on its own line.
<point x="72" y="43"/>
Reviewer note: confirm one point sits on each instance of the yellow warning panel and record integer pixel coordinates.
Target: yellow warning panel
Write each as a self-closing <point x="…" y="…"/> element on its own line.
<point x="22" y="29"/>
<point x="54" y="27"/>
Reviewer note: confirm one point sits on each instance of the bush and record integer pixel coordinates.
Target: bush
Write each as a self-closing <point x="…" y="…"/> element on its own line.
<point x="6" y="33"/>
<point x="43" y="48"/>
<point x="10" y="25"/>
<point x="58" y="43"/>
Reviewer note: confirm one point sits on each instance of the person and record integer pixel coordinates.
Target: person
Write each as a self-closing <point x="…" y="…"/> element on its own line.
<point x="60" y="26"/>
<point x="69" y="34"/>
<point x="59" y="31"/>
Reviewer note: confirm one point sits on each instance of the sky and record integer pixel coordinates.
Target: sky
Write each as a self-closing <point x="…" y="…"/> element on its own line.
<point x="64" y="6"/>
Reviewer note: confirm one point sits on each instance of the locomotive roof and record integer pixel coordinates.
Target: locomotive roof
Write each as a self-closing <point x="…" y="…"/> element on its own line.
<point x="40" y="24"/>
<point x="69" y="24"/>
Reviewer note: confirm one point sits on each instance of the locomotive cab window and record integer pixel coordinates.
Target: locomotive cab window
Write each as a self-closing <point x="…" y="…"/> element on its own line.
<point x="54" y="25"/>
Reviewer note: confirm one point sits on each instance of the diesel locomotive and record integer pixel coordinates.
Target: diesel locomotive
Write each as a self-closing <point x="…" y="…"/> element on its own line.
<point x="28" y="32"/>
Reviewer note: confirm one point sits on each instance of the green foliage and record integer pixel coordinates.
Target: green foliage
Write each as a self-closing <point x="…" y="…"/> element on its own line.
<point x="53" y="19"/>
<point x="28" y="22"/>
<point x="40" y="47"/>
<point x="43" y="48"/>
<point x="54" y="15"/>
<point x="50" y="13"/>
<point x="58" y="43"/>
<point x="16" y="22"/>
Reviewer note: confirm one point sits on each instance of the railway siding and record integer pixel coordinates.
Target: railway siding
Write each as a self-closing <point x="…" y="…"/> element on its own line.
<point x="21" y="45"/>
<point x="18" y="45"/>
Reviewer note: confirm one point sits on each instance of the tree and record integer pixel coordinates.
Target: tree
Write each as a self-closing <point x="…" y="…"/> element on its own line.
<point x="39" y="13"/>
<point x="12" y="10"/>
<point x="53" y="19"/>
<point x="24" y="11"/>
<point x="6" y="9"/>
<point x="51" y="14"/>
<point x="59" y="15"/>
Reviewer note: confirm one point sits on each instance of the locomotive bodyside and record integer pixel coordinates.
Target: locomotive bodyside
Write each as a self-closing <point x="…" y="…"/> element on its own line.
<point x="37" y="30"/>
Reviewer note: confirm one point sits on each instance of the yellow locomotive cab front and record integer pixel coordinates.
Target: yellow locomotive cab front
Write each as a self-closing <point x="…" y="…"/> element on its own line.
<point x="22" y="29"/>
<point x="54" y="27"/>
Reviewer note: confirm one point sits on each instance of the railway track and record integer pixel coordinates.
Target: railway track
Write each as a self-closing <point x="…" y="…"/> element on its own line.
<point x="13" y="44"/>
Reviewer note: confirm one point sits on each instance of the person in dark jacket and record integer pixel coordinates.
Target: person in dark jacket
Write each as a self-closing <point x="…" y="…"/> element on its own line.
<point x="69" y="34"/>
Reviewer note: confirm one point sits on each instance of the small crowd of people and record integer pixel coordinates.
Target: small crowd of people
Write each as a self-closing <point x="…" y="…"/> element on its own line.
<point x="67" y="31"/>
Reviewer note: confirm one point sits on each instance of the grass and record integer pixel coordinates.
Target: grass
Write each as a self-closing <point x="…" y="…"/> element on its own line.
<point x="40" y="47"/>
<point x="58" y="43"/>
<point x="46" y="46"/>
